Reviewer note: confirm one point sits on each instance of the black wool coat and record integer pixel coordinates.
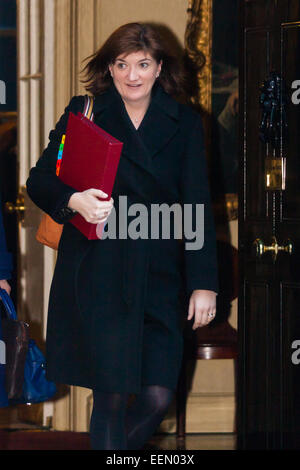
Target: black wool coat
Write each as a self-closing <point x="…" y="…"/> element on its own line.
<point x="117" y="306"/>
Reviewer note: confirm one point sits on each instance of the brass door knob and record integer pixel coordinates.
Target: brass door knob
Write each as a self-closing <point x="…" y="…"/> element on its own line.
<point x="19" y="207"/>
<point x="274" y="248"/>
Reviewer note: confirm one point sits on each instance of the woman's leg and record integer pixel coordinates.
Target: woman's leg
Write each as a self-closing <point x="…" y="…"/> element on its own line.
<point x="146" y="413"/>
<point x="107" y="427"/>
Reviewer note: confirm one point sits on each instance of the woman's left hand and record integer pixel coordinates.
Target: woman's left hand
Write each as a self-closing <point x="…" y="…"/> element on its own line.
<point x="203" y="306"/>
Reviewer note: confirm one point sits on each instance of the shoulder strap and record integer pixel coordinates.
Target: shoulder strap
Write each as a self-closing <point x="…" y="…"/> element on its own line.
<point x="8" y="305"/>
<point x="88" y="107"/>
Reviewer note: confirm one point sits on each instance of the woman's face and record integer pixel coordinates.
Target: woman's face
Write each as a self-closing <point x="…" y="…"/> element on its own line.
<point x="134" y="75"/>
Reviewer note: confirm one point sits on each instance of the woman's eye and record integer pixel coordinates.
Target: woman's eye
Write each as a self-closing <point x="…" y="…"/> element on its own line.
<point x="121" y="66"/>
<point x="144" y="65"/>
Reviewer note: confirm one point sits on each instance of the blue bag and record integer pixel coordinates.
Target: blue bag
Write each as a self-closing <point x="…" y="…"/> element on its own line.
<point x="36" y="388"/>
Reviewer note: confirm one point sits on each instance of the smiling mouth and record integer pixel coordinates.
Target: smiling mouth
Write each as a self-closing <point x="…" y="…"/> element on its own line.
<point x="134" y="86"/>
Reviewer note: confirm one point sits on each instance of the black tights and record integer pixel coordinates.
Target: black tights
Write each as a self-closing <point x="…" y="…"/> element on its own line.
<point x="116" y="427"/>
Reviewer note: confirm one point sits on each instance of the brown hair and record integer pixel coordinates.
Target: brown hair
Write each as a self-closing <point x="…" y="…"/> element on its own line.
<point x="133" y="37"/>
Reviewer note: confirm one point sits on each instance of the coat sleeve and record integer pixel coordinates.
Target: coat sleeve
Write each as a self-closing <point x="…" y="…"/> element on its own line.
<point x="201" y="270"/>
<point x="6" y="264"/>
<point x="45" y="189"/>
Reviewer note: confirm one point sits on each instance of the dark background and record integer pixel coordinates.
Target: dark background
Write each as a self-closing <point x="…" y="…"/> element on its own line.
<point x="224" y="57"/>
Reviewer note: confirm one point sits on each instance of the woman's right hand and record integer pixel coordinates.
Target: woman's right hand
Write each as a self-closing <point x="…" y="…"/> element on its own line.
<point x="88" y="205"/>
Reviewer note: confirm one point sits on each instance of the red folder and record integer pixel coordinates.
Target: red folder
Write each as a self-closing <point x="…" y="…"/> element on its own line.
<point x="90" y="160"/>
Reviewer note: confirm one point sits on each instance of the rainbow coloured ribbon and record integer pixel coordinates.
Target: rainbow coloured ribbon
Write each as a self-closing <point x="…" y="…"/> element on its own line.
<point x="59" y="155"/>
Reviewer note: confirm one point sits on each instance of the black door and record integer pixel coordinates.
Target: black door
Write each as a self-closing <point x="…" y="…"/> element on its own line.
<point x="269" y="225"/>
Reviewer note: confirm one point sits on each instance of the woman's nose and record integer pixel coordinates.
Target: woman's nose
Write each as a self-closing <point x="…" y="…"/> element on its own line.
<point x="133" y="74"/>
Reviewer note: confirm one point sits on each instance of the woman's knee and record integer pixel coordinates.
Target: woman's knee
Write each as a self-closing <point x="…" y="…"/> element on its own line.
<point x="109" y="404"/>
<point x="159" y="398"/>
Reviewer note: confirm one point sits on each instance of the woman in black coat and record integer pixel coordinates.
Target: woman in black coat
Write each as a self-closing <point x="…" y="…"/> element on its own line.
<point x="118" y="305"/>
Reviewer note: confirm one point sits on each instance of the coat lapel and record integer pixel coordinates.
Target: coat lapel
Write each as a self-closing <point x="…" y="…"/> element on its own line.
<point x="159" y="125"/>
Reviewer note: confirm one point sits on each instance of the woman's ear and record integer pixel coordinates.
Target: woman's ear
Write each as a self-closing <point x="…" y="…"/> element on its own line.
<point x="160" y="66"/>
<point x="110" y="70"/>
<point x="158" y="69"/>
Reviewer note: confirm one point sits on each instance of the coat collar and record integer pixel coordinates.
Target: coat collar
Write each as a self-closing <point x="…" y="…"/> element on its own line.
<point x="159" y="125"/>
<point x="163" y="101"/>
